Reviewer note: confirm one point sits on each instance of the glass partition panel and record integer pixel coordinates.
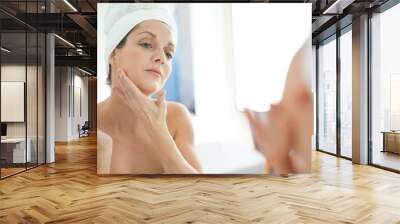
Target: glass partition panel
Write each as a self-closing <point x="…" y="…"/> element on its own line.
<point x="14" y="153"/>
<point x="31" y="98"/>
<point x="22" y="88"/>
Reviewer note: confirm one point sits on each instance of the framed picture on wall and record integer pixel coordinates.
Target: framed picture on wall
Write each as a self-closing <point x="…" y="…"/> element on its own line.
<point x="12" y="101"/>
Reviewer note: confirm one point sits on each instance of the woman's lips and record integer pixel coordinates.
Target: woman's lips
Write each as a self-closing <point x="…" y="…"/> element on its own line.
<point x="154" y="72"/>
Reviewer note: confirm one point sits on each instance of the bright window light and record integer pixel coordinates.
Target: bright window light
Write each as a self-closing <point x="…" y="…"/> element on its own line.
<point x="265" y="40"/>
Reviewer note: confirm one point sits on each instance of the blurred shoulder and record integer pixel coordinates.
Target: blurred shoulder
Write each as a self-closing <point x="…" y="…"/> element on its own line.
<point x="178" y="117"/>
<point x="177" y="109"/>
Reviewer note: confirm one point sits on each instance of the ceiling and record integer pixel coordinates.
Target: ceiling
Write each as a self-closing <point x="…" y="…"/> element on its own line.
<point x="76" y="23"/>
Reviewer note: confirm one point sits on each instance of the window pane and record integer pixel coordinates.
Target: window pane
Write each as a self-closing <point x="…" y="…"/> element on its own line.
<point x="31" y="100"/>
<point x="346" y="94"/>
<point x="327" y="97"/>
<point x="386" y="89"/>
<point x="261" y="63"/>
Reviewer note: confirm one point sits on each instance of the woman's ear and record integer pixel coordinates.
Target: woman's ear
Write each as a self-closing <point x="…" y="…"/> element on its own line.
<point x="112" y="58"/>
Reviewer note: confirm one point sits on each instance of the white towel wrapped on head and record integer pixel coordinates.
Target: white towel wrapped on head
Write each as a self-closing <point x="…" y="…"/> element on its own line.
<point x="120" y="18"/>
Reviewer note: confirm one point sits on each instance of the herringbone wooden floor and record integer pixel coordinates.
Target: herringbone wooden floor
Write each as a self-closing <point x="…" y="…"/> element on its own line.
<point x="69" y="191"/>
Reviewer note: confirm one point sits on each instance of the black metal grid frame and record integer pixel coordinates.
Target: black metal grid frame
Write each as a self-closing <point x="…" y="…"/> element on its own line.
<point x="27" y="27"/>
<point x="334" y="37"/>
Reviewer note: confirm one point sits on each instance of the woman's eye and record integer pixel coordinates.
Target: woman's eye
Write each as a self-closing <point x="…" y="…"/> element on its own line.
<point x="146" y="45"/>
<point x="169" y="56"/>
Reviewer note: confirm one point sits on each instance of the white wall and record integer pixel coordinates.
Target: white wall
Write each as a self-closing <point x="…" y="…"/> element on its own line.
<point x="80" y="118"/>
<point x="61" y="103"/>
<point x="68" y="82"/>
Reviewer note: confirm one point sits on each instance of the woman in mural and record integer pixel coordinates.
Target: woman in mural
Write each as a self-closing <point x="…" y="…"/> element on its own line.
<point x="136" y="134"/>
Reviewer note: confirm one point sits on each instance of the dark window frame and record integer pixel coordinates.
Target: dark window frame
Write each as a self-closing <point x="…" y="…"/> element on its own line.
<point x="387" y="5"/>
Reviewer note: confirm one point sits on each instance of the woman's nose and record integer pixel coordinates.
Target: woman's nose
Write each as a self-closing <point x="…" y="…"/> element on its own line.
<point x="159" y="56"/>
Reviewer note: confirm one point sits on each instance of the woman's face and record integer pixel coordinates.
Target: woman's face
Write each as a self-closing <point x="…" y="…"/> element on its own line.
<point x="146" y="56"/>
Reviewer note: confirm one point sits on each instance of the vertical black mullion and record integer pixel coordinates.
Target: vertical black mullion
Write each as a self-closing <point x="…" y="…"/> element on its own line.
<point x="26" y="85"/>
<point x="37" y="88"/>
<point x="59" y="82"/>
<point x="69" y="93"/>
<point x="0" y="94"/>
<point x="73" y="91"/>
<point x="338" y="97"/>
<point x="45" y="94"/>
<point x="369" y="90"/>
<point x="317" y="96"/>
<point x="46" y="3"/>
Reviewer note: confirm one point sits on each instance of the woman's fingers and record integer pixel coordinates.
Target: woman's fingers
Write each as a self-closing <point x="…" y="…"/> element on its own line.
<point x="129" y="88"/>
<point x="161" y="103"/>
<point x="250" y="117"/>
<point x="117" y="89"/>
<point x="270" y="133"/>
<point x="254" y="124"/>
<point x="128" y="92"/>
<point x="255" y="127"/>
<point x="138" y="102"/>
<point x="161" y="98"/>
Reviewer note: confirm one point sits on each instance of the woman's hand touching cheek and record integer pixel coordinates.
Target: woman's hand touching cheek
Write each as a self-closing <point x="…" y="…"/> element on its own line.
<point x="149" y="116"/>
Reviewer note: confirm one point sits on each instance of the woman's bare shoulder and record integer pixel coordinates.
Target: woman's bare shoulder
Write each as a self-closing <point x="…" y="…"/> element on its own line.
<point x="180" y="120"/>
<point x="178" y="116"/>
<point x="177" y="110"/>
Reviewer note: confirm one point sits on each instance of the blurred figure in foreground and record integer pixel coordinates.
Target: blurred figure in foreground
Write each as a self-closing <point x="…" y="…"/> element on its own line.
<point x="283" y="134"/>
